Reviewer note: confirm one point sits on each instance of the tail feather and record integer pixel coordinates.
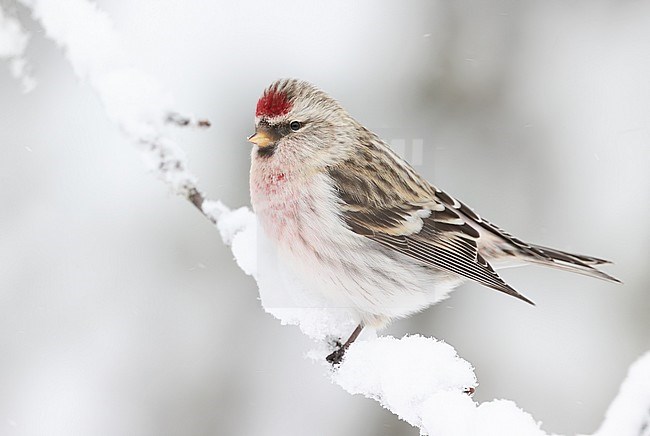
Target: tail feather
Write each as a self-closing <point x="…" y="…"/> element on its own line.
<point x="577" y="263"/>
<point x="505" y="247"/>
<point x="557" y="254"/>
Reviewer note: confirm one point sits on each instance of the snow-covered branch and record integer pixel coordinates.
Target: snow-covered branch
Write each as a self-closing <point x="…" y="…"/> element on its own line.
<point x="420" y="379"/>
<point x="133" y="99"/>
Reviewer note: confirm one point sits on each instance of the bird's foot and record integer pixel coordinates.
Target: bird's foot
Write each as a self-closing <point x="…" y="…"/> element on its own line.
<point x="336" y="357"/>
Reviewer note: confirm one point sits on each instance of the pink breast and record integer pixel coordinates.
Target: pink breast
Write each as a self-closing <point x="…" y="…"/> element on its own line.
<point x="276" y="203"/>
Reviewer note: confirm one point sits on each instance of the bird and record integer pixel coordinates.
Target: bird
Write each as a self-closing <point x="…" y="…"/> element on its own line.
<point x="360" y="225"/>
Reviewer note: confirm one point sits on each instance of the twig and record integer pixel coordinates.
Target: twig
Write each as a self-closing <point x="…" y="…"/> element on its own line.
<point x="187" y="121"/>
<point x="197" y="199"/>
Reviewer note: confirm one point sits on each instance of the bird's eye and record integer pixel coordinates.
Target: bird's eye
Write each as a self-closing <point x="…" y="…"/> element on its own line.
<point x="295" y="125"/>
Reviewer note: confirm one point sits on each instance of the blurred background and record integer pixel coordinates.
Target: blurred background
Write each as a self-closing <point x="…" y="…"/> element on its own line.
<point x="122" y="313"/>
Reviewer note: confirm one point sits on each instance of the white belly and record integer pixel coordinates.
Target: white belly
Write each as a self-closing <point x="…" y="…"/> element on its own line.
<point x="300" y="217"/>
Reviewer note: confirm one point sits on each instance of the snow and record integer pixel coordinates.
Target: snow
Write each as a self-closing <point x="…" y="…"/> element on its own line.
<point x="133" y="99"/>
<point x="85" y="33"/>
<point x="421" y="380"/>
<point x="238" y="228"/>
<point x="13" y="43"/>
<point x="629" y="413"/>
<point x="405" y="374"/>
<point x="450" y="413"/>
<point x="424" y="382"/>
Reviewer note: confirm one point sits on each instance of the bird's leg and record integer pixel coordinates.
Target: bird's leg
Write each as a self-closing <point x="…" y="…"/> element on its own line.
<point x="337" y="356"/>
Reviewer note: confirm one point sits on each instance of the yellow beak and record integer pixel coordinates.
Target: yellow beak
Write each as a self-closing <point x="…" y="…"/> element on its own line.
<point x="261" y="139"/>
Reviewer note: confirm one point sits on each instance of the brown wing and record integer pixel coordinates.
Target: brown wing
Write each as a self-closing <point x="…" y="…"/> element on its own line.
<point x="392" y="205"/>
<point x="445" y="245"/>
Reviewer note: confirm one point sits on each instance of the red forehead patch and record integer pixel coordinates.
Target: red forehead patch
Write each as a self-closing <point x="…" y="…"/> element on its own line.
<point x="272" y="104"/>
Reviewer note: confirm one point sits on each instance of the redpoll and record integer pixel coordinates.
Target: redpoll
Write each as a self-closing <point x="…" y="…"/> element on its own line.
<point x="357" y="220"/>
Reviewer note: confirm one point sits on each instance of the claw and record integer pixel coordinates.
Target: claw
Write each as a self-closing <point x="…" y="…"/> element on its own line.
<point x="337" y="356"/>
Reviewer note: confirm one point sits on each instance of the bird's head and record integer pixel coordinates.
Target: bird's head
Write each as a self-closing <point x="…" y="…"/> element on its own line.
<point x="296" y="120"/>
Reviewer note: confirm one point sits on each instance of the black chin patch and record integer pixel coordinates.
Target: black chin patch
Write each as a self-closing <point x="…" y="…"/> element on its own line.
<point x="267" y="151"/>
